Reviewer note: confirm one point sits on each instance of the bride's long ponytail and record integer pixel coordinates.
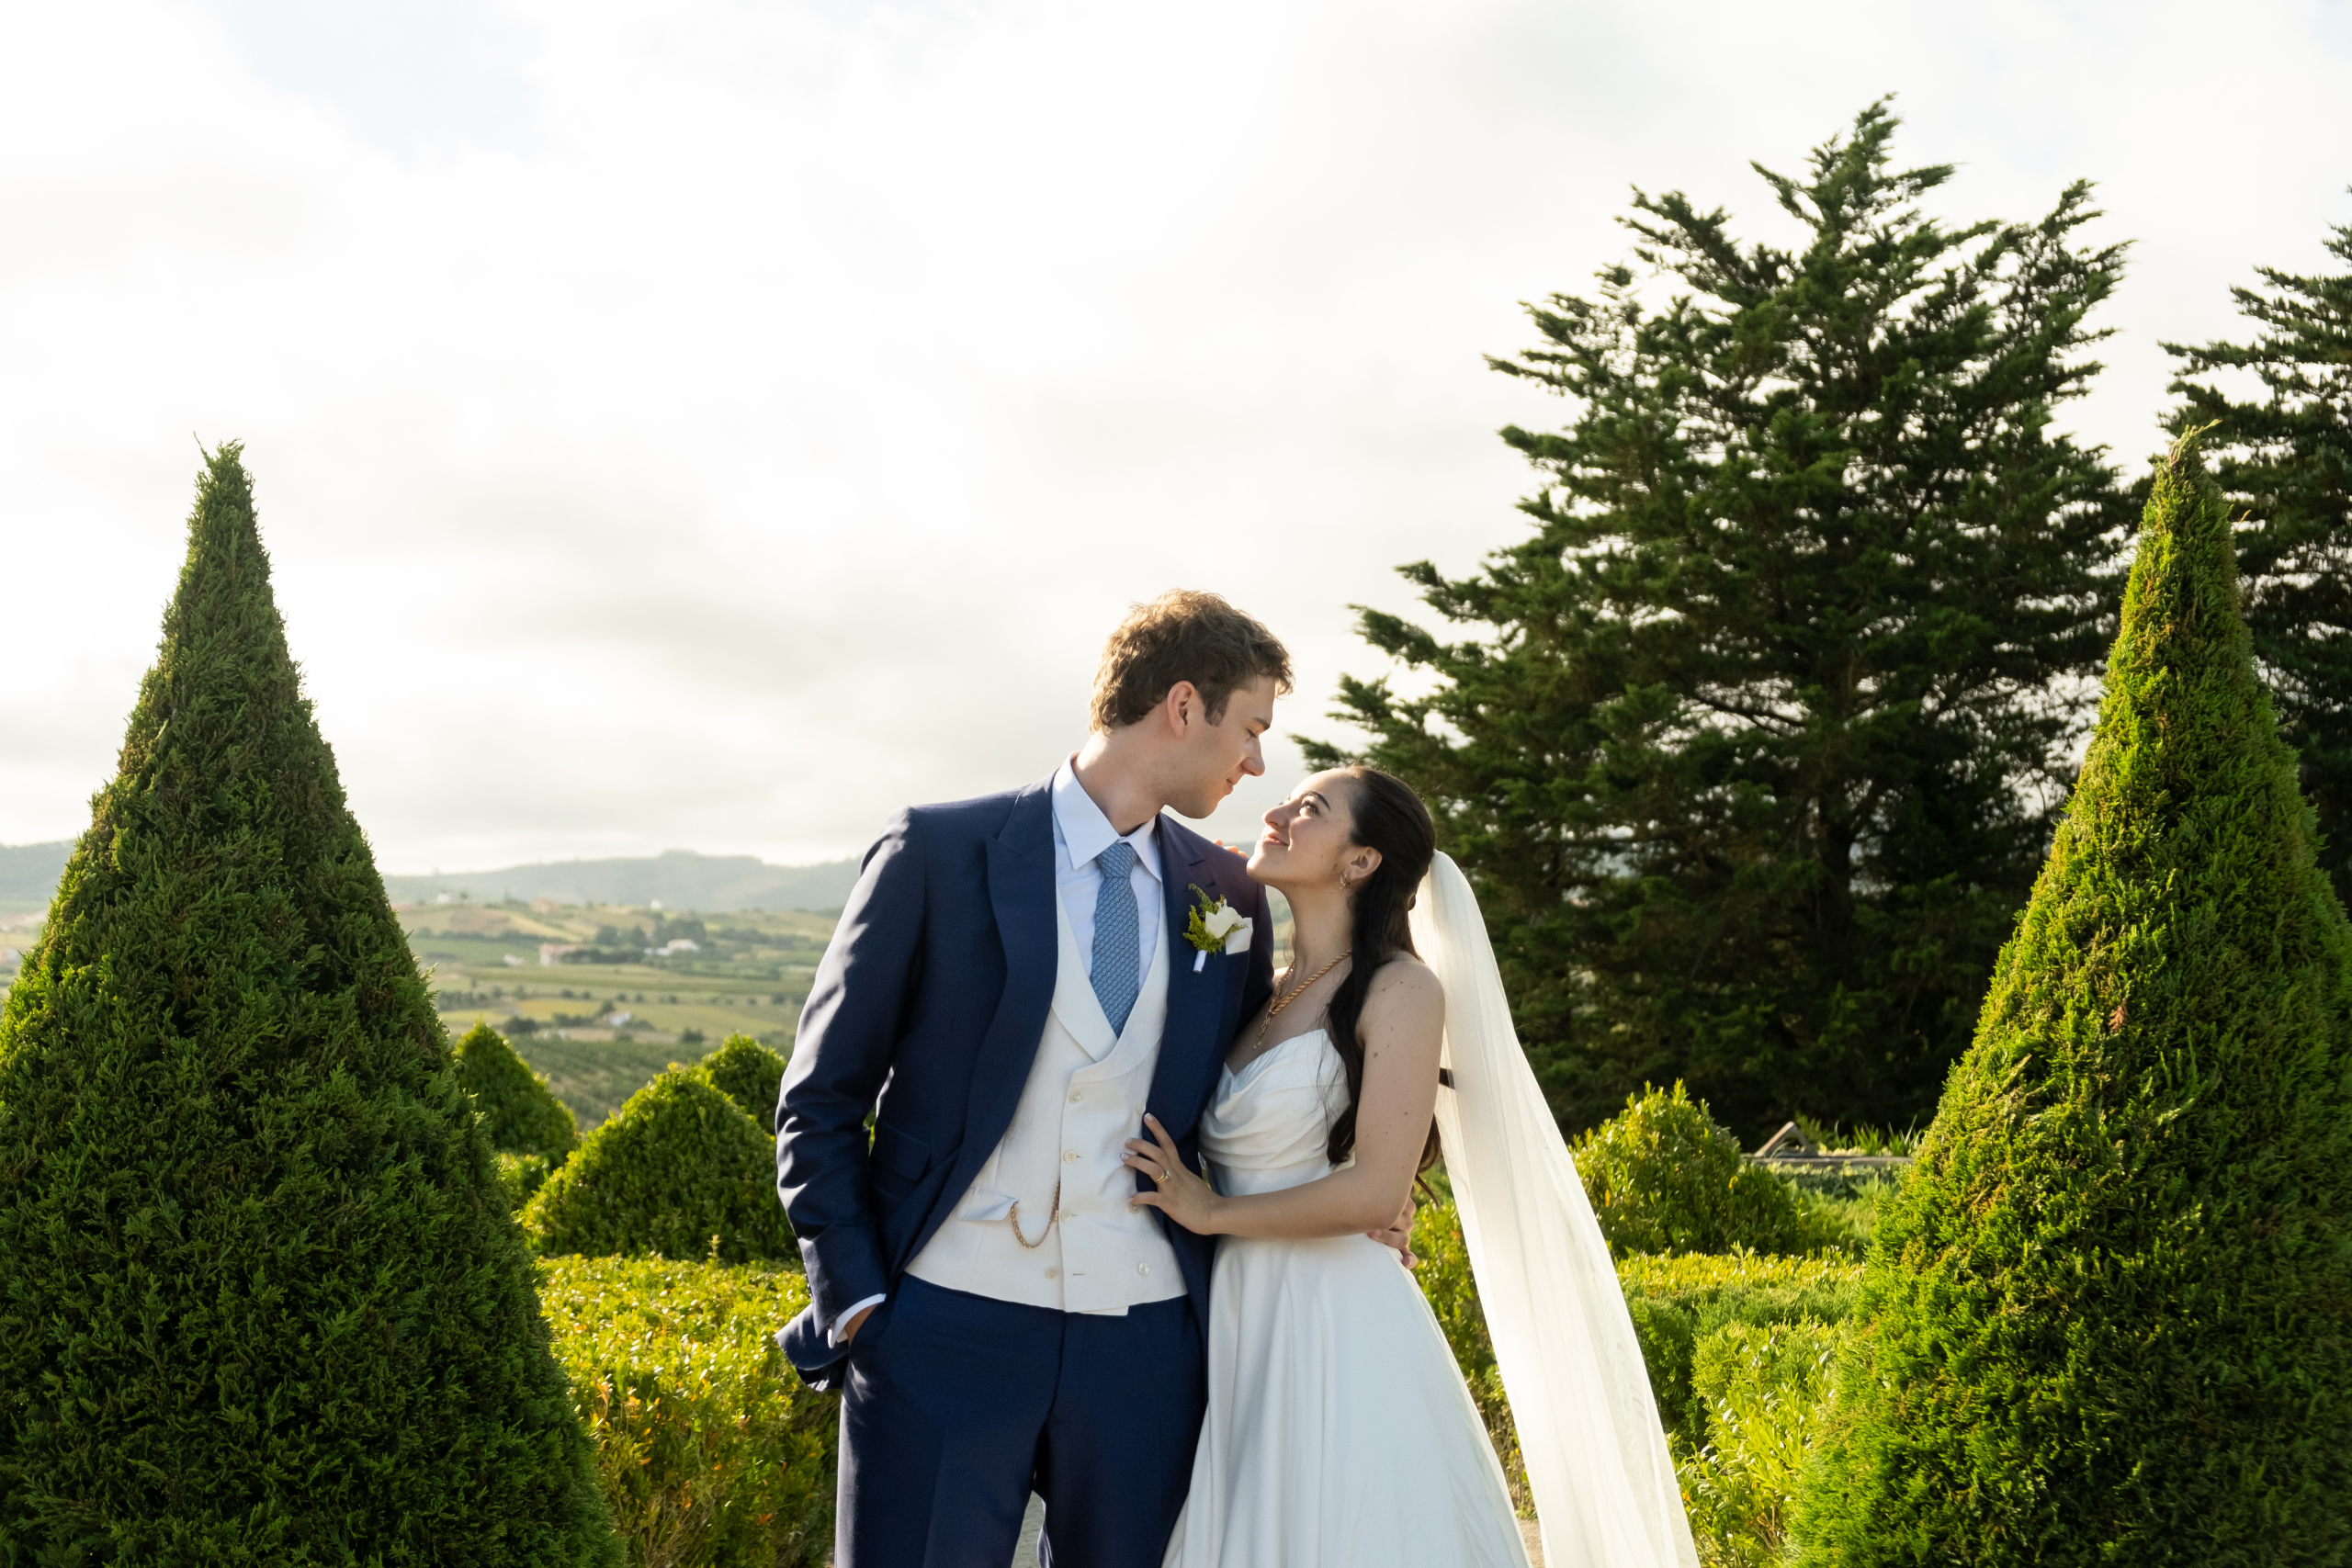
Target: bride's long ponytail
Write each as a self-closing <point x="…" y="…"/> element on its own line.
<point x="1391" y="818"/>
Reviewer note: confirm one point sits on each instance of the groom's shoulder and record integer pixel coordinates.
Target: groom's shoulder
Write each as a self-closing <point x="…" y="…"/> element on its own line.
<point x="1207" y="857"/>
<point x="982" y="816"/>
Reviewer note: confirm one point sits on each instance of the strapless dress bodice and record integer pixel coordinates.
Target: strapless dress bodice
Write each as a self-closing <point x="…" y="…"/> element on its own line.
<point x="1267" y="1126"/>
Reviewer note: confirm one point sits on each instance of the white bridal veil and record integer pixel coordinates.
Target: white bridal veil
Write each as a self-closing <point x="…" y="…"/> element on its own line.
<point x="1604" y="1485"/>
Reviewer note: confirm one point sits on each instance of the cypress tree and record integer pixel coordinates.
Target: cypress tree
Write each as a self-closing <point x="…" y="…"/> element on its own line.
<point x="2107" y="1318"/>
<point x="2285" y="460"/>
<point x="261" y="1298"/>
<point x="1749" y="748"/>
<point x="521" y="1114"/>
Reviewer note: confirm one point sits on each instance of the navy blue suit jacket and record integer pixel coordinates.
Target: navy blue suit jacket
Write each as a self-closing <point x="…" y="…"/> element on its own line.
<point x="926" y="1013"/>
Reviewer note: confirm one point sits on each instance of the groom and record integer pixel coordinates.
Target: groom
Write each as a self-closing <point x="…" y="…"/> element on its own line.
<point x="1011" y="987"/>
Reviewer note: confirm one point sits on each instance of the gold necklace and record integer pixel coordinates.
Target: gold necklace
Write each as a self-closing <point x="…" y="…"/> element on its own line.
<point x="1258" y="1046"/>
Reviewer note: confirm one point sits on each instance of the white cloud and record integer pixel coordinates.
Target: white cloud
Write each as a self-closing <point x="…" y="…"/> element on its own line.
<point x="712" y="425"/>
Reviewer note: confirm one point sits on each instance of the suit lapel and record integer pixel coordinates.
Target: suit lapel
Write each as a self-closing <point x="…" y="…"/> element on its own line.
<point x="1020" y="892"/>
<point x="1188" y="1041"/>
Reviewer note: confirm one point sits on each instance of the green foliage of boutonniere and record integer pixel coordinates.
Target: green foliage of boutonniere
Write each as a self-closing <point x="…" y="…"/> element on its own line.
<point x="1215" y="926"/>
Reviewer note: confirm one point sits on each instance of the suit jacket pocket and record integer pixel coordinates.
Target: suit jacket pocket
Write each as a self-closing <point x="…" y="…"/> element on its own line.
<point x="899" y="1160"/>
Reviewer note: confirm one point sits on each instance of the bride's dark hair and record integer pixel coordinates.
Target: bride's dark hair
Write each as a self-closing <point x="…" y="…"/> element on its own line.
<point x="1390" y="818"/>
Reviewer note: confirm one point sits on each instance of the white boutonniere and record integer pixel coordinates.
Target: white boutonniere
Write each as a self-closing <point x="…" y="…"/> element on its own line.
<point x="1215" y="927"/>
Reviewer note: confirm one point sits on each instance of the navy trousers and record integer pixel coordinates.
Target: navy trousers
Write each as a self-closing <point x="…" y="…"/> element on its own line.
<point x="957" y="1406"/>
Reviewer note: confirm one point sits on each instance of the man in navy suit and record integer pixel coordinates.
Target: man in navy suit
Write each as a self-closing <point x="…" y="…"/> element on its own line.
<point x="1016" y="981"/>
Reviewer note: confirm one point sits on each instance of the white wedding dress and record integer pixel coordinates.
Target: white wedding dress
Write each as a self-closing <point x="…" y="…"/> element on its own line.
<point x="1339" y="1430"/>
<point x="1339" y="1433"/>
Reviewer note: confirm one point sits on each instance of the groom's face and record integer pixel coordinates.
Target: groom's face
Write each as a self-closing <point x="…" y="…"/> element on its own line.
<point x="1216" y="757"/>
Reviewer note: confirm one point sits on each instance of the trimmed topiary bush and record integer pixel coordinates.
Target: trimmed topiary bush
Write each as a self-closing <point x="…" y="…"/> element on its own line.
<point x="2109" y="1318"/>
<point x="709" y="1448"/>
<point x="522" y="1175"/>
<point x="749" y="1074"/>
<point x="678" y="1170"/>
<point x="1664" y="1177"/>
<point x="519" y="1111"/>
<point x="261" y="1296"/>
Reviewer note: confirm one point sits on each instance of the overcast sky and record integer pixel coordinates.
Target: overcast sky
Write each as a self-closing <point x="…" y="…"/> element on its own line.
<point x="706" y="425"/>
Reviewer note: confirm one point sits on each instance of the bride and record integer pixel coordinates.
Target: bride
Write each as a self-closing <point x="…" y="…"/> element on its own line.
<point x="1338" y="1431"/>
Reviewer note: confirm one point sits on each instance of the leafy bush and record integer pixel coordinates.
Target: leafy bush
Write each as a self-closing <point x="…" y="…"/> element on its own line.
<point x="749" y="1074"/>
<point x="518" y="1110"/>
<point x="1677" y="1302"/>
<point x="261" y="1296"/>
<point x="677" y="1170"/>
<point x="522" y="1175"/>
<point x="1764" y="1390"/>
<point x="1718" y="1334"/>
<point x="1664" y="1177"/>
<point x="710" y="1449"/>
<point x="2109" y="1318"/>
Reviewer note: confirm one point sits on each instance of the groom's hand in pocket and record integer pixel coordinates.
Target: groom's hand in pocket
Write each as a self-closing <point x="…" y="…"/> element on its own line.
<point x="1399" y="1237"/>
<point x="856" y="1322"/>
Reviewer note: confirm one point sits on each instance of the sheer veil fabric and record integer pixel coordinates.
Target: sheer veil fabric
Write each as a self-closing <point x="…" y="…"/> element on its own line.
<point x="1597" y="1463"/>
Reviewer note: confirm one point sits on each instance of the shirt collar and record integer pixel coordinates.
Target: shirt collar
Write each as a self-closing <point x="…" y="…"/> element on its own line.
<point x="1084" y="832"/>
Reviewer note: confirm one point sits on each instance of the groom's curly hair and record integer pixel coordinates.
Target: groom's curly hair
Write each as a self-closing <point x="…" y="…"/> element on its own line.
<point x="1184" y="634"/>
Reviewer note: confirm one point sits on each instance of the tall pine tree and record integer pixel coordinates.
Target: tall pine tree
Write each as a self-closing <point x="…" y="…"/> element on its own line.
<point x="261" y="1298"/>
<point x="2109" y="1318"/>
<point x="1749" y="748"/>
<point x="2284" y="459"/>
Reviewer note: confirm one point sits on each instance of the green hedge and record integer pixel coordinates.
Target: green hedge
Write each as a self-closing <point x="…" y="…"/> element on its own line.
<point x="1736" y="1348"/>
<point x="677" y="1170"/>
<point x="709" y="1450"/>
<point x="1663" y="1177"/>
<point x="1679" y="1302"/>
<point x="518" y="1110"/>
<point x="749" y="1074"/>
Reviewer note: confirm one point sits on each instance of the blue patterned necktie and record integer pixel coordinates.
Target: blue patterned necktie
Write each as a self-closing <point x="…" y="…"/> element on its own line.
<point x="1118" y="936"/>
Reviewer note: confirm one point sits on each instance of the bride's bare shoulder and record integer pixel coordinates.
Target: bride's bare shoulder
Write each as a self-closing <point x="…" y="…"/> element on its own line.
<point x="1405" y="985"/>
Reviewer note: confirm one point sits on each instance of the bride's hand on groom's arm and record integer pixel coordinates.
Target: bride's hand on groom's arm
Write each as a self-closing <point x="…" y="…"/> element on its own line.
<point x="1177" y="1192"/>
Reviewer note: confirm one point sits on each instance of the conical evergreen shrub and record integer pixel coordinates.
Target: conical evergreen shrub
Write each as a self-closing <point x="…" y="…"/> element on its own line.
<point x="678" y="1170"/>
<point x="749" y="1074"/>
<point x="2106" y="1320"/>
<point x="261" y="1300"/>
<point x="521" y="1114"/>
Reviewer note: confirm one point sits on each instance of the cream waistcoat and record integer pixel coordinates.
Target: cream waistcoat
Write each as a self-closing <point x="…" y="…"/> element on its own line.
<point x="1083" y="1101"/>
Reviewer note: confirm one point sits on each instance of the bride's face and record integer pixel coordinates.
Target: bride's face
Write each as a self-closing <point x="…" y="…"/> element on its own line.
<point x="1308" y="838"/>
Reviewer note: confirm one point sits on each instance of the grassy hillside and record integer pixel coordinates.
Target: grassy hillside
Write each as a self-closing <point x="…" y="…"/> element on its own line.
<point x="600" y="1028"/>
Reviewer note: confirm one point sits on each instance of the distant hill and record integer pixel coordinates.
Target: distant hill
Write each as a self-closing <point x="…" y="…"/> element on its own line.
<point x="680" y="879"/>
<point x="28" y="872"/>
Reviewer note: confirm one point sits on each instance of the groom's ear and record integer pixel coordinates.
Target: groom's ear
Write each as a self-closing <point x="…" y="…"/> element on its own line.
<point x="1183" y="707"/>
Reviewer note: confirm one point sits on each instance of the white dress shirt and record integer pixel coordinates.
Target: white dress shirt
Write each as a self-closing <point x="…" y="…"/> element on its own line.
<point x="1081" y="833"/>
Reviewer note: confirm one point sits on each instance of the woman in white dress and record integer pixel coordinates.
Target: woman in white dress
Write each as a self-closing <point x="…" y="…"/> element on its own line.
<point x="1338" y="1432"/>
